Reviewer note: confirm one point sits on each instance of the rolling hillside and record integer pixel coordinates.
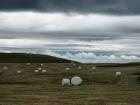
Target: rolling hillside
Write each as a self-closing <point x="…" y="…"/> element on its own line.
<point x="32" y="58"/>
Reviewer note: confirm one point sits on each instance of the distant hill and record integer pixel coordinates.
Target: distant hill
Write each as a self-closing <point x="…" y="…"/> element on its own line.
<point x="32" y="58"/>
<point x="118" y="64"/>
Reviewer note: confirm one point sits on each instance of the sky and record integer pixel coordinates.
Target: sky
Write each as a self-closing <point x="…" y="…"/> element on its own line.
<point x="88" y="31"/>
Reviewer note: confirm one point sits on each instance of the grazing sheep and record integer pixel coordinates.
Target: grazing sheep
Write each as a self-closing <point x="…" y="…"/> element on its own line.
<point x="18" y="72"/>
<point x="118" y="73"/>
<point x="118" y="76"/>
<point x="76" y="80"/>
<point x="65" y="82"/>
<point x="40" y="69"/>
<point x="74" y="64"/>
<point x="41" y="64"/>
<point x="36" y="71"/>
<point x="93" y="68"/>
<point x="79" y="67"/>
<point x="43" y="71"/>
<point x="5" y="68"/>
<point x="67" y="68"/>
<point x="28" y="64"/>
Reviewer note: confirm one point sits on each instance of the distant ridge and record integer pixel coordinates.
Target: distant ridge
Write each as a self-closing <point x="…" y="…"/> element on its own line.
<point x="118" y="64"/>
<point x="32" y="58"/>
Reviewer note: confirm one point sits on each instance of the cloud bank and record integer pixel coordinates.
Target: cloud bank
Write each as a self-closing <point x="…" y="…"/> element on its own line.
<point x="103" y="51"/>
<point x="93" y="58"/>
<point x="30" y="22"/>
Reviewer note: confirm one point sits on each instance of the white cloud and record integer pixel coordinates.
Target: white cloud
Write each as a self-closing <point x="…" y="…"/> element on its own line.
<point x="121" y="51"/>
<point x="20" y="43"/>
<point x="38" y="22"/>
<point x="129" y="46"/>
<point x="93" y="58"/>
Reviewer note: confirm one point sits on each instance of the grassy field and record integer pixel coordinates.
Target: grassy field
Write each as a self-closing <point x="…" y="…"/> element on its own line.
<point x="99" y="86"/>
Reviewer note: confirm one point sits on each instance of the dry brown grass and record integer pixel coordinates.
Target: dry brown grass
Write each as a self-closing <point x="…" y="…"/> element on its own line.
<point x="98" y="87"/>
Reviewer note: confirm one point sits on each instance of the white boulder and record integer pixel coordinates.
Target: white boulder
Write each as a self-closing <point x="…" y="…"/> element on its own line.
<point x="76" y="80"/>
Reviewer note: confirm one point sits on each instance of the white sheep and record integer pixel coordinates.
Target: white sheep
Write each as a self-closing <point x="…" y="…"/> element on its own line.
<point x="76" y="80"/>
<point x="36" y="71"/>
<point x="18" y="72"/>
<point x="65" y="82"/>
<point x="41" y="64"/>
<point x="93" y="68"/>
<point x="43" y="71"/>
<point x="67" y="68"/>
<point x="74" y="64"/>
<point x="118" y="76"/>
<point x="5" y="68"/>
<point x="118" y="73"/>
<point x="39" y="68"/>
<point x="79" y="67"/>
<point x="28" y="64"/>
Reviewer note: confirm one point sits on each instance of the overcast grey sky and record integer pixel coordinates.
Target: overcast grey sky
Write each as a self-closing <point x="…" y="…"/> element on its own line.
<point x="84" y="30"/>
<point x="118" y="7"/>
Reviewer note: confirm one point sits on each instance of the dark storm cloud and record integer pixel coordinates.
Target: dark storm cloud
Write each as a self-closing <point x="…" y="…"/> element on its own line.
<point x="13" y="5"/>
<point x="81" y="6"/>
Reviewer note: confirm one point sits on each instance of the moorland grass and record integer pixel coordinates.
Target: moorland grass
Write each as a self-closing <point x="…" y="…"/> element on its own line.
<point x="98" y="87"/>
